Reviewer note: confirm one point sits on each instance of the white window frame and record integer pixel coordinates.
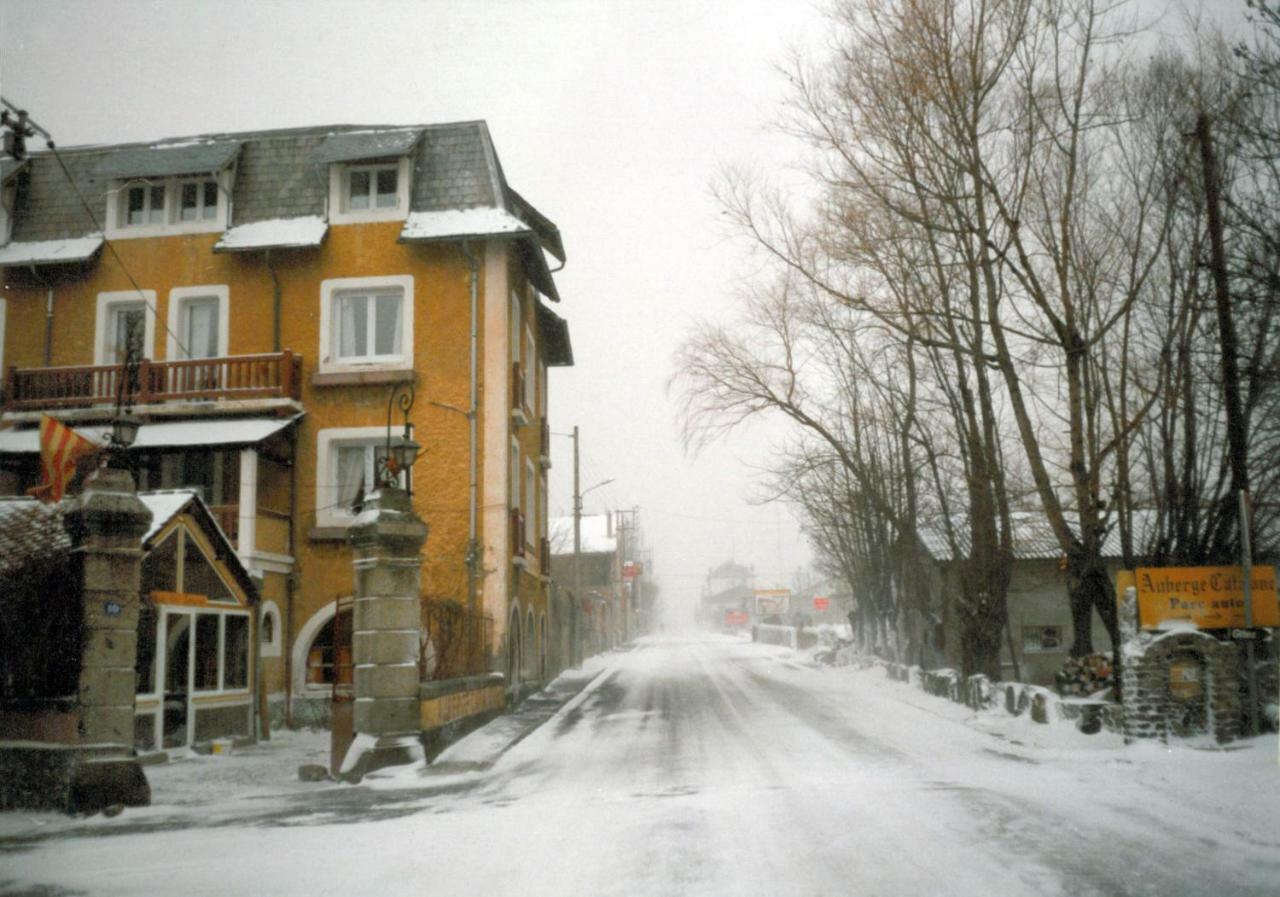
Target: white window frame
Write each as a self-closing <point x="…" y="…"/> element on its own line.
<point x="178" y="298"/>
<point x="118" y="228"/>
<point x="513" y="333"/>
<point x="329" y="292"/>
<point x="271" y="648"/>
<point x="515" y="474"/>
<point x="531" y="500"/>
<point x="530" y="372"/>
<point x="327" y="444"/>
<point x="1038" y="646"/>
<point x="109" y="301"/>
<point x="339" y="195"/>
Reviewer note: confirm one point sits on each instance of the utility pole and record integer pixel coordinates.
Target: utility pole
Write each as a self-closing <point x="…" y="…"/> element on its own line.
<point x="577" y="544"/>
<point x="1236" y="436"/>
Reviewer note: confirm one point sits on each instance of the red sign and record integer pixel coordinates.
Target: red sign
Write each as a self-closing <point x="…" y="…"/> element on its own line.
<point x="736" y="618"/>
<point x="821" y="603"/>
<point x="632" y="569"/>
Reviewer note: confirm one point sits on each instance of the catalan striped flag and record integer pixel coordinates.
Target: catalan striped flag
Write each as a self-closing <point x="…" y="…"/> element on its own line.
<point x="61" y="449"/>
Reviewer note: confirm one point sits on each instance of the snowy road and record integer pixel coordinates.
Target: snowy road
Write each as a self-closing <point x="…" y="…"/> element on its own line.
<point x="715" y="767"/>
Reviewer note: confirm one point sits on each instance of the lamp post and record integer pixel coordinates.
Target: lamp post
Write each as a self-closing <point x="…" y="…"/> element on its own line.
<point x="577" y="519"/>
<point x="125" y="424"/>
<point x="399" y="458"/>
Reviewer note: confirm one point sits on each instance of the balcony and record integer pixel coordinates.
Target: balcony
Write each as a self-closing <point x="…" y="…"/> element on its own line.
<point x="518" y="414"/>
<point x="544" y="445"/>
<point x="544" y="556"/>
<point x="274" y="375"/>
<point x="517" y="537"/>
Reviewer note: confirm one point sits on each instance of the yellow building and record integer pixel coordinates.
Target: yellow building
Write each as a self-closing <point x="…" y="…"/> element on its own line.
<point x="276" y="287"/>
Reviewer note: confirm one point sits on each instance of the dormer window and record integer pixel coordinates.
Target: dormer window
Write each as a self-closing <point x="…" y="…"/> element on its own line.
<point x="145" y="205"/>
<point x="369" y="190"/>
<point x="172" y="201"/>
<point x="372" y="187"/>
<point x="198" y="200"/>
<point x="181" y="188"/>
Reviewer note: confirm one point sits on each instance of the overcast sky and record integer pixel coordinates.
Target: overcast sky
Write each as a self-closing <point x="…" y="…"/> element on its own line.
<point x="611" y="117"/>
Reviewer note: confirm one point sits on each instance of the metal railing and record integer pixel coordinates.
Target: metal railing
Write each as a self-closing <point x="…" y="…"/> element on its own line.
<point x="455" y="641"/>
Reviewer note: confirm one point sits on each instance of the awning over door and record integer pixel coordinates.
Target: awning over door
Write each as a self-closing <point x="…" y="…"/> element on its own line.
<point x="168" y="434"/>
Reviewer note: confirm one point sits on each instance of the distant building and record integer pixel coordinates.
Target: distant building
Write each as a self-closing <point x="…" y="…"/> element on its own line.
<point x="728" y="587"/>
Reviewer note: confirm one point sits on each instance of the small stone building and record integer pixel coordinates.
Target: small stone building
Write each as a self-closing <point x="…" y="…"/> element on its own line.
<point x="196" y="637"/>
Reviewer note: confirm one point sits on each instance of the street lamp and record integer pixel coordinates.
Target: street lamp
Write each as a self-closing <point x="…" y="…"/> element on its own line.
<point x="125" y="424"/>
<point x="400" y="458"/>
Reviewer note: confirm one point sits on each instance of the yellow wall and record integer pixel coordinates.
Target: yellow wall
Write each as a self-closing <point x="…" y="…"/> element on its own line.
<point x="440" y="336"/>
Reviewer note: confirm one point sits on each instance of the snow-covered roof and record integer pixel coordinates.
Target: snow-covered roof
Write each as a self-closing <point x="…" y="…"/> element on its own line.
<point x="190" y="156"/>
<point x="28" y="526"/>
<point x="51" y="252"/>
<point x="370" y="143"/>
<point x="277" y="233"/>
<point x="598" y="537"/>
<point x="1033" y="537"/>
<point x="167" y="434"/>
<point x="453" y="224"/>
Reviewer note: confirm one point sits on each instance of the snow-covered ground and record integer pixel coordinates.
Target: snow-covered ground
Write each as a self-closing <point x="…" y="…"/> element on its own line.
<point x="701" y="766"/>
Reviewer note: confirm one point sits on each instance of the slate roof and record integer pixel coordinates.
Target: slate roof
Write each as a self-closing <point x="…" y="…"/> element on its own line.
<point x="279" y="174"/>
<point x="28" y="527"/>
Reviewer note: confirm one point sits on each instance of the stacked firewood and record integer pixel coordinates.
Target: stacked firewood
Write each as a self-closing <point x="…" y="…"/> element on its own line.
<point x="1081" y="677"/>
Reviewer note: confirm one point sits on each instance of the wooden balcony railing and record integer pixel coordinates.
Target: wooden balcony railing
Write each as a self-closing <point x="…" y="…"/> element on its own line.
<point x="517" y="533"/>
<point x="275" y="375"/>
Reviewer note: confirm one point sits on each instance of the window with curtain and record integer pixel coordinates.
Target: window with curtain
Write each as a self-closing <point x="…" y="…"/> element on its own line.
<point x="126" y="330"/>
<point x="199" y="323"/>
<point x="369" y="326"/>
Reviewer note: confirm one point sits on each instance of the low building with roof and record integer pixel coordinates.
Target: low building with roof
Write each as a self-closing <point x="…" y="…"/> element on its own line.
<point x="597" y="568"/>
<point x="197" y="636"/>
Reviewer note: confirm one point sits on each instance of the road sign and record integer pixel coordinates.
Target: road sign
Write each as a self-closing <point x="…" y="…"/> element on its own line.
<point x="1244" y="635"/>
<point x="1209" y="597"/>
<point x="821" y="604"/>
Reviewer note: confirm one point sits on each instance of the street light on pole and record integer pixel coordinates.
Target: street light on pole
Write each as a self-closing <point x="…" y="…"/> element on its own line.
<point x="577" y="522"/>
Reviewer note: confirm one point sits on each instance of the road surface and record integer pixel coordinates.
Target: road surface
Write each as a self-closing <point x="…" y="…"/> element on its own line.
<point x="710" y="766"/>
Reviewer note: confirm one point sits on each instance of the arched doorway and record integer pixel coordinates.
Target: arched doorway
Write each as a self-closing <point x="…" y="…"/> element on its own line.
<point x="513" y="649"/>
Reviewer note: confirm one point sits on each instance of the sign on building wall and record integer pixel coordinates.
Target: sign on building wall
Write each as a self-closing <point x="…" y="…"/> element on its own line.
<point x="772" y="601"/>
<point x="821" y="604"/>
<point x="1209" y="597"/>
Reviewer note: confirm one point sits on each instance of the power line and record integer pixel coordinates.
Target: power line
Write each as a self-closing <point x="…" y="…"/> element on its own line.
<point x="93" y="218"/>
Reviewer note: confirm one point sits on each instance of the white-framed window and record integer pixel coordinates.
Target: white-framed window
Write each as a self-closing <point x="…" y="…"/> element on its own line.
<point x="366" y="323"/>
<point x="197" y="199"/>
<point x="150" y="207"/>
<point x="531" y="503"/>
<point x="530" y="371"/>
<point x="1041" y="639"/>
<point x="198" y="322"/>
<point x="348" y="460"/>
<point x="125" y="320"/>
<point x="542" y="508"/>
<point x="542" y="387"/>
<point x="515" y="474"/>
<point x="369" y="191"/>
<point x="270" y="634"/>
<point x="514" y="336"/>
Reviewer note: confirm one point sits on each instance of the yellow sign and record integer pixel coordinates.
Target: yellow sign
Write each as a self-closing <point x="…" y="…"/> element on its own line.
<point x="1210" y="597"/>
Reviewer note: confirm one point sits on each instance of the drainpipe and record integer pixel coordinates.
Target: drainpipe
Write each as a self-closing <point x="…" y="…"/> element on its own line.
<point x="473" y="547"/>
<point x="48" y="317"/>
<point x="275" y="306"/>
<point x="286" y="637"/>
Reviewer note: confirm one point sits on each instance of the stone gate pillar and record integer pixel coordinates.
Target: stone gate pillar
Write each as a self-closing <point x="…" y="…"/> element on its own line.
<point x="386" y="542"/>
<point x="106" y="524"/>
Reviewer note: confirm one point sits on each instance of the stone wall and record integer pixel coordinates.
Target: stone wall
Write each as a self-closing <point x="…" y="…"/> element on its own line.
<point x="1181" y="683"/>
